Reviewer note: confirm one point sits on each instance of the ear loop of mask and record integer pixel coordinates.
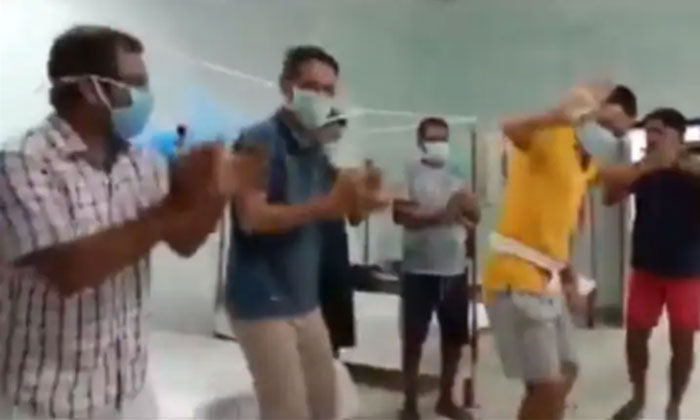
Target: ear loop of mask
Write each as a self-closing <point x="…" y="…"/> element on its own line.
<point x="100" y="93"/>
<point x="94" y="79"/>
<point x="103" y="98"/>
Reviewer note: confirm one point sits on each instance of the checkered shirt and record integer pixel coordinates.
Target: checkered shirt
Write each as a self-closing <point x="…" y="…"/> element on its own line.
<point x="70" y="357"/>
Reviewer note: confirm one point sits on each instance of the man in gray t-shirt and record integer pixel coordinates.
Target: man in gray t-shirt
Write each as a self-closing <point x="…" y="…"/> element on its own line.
<point x="436" y="217"/>
<point x="436" y="249"/>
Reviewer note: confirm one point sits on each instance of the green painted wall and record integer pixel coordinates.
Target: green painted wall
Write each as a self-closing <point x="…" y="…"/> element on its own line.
<point x="467" y="57"/>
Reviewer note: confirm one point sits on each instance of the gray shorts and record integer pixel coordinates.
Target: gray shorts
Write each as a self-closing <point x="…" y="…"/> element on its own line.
<point x="533" y="335"/>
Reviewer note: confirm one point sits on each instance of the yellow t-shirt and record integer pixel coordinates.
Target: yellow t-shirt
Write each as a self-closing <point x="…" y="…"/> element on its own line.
<point x="544" y="190"/>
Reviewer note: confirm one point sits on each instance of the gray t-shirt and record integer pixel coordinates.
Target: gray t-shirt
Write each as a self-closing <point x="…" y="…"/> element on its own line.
<point x="435" y="250"/>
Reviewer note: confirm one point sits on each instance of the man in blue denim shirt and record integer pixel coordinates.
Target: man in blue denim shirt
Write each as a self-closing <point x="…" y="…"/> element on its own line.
<point x="273" y="273"/>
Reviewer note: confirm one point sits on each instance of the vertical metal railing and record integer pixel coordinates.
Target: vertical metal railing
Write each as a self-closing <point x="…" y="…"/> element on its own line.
<point x="473" y="289"/>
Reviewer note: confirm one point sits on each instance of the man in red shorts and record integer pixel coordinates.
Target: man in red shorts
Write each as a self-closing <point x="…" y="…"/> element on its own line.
<point x="665" y="259"/>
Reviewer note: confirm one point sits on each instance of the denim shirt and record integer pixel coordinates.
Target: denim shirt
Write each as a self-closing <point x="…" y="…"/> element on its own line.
<point x="277" y="275"/>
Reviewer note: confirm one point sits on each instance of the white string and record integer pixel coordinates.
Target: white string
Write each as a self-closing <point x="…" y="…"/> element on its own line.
<point x="409" y="127"/>
<point x="218" y="68"/>
<point x="386" y="112"/>
<point x="394" y="129"/>
<point x="399" y="128"/>
<point x="354" y="112"/>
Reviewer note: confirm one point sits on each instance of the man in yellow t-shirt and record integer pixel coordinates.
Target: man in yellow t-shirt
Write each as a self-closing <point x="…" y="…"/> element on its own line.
<point x="549" y="171"/>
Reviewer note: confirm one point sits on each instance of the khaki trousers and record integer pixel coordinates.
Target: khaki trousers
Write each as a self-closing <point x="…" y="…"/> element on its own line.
<point x="291" y="362"/>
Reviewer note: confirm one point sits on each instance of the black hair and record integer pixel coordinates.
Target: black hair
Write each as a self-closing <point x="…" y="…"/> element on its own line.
<point x="624" y="97"/>
<point x="669" y="117"/>
<point x="430" y="122"/>
<point x="85" y="49"/>
<point x="296" y="56"/>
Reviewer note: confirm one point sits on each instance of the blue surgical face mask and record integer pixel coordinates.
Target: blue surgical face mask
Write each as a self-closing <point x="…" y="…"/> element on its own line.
<point x="128" y="121"/>
<point x="597" y="141"/>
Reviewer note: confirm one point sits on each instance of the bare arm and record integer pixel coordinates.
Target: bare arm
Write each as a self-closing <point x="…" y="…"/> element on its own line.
<point x="355" y="218"/>
<point x="618" y="180"/>
<point x="405" y="214"/>
<point x="470" y="207"/>
<point x="474" y="215"/>
<point x="256" y="215"/>
<point x="113" y="249"/>
<point x="578" y="102"/>
<point x="195" y="226"/>
<point x="220" y="175"/>
<point x="39" y="232"/>
<point x="356" y="215"/>
<point x="197" y="218"/>
<point x="520" y="130"/>
<point x="367" y="200"/>
<point x="347" y="197"/>
<point x="86" y="262"/>
<point x="46" y="238"/>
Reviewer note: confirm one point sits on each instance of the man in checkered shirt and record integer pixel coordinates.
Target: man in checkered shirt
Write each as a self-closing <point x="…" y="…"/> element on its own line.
<point x="80" y="211"/>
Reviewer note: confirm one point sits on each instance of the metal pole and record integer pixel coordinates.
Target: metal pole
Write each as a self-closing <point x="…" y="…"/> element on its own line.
<point x="625" y="210"/>
<point x="593" y="219"/>
<point x="220" y="297"/>
<point x="220" y="275"/>
<point x="473" y="290"/>
<point x="590" y="321"/>
<point x="365" y="248"/>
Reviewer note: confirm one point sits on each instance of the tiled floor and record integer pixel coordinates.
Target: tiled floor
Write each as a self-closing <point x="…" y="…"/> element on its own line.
<point x="198" y="377"/>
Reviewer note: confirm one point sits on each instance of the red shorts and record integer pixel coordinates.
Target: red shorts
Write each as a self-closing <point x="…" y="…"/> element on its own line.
<point x="648" y="293"/>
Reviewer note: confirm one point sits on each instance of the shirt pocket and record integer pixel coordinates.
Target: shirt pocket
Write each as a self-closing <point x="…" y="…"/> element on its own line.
<point x="89" y="208"/>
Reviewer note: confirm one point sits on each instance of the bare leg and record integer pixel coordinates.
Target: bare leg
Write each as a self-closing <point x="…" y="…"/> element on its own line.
<point x="543" y="400"/>
<point x="637" y="350"/>
<point x="682" y="348"/>
<point x="451" y="354"/>
<point x="412" y="352"/>
<point x="570" y="372"/>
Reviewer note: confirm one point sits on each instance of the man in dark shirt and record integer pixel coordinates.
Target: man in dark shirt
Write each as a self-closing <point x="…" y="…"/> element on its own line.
<point x="665" y="259"/>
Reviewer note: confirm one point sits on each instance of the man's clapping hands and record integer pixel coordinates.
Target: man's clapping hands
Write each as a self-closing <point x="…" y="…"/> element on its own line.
<point x="357" y="192"/>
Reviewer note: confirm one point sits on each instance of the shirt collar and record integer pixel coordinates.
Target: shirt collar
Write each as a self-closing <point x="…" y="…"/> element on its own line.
<point x="68" y="142"/>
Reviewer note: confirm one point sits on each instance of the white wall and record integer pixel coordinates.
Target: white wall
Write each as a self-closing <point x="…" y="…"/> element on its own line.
<point x="26" y="31"/>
